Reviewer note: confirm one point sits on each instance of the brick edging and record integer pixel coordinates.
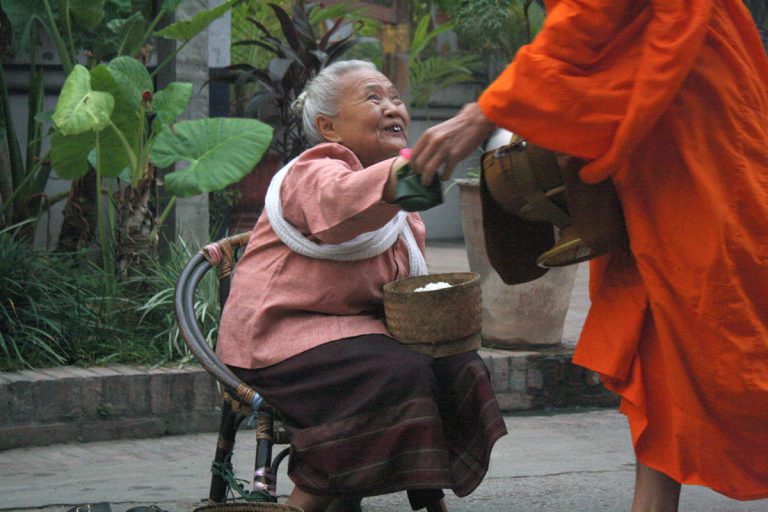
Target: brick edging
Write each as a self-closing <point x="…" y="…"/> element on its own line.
<point x="71" y="404"/>
<point x="529" y="380"/>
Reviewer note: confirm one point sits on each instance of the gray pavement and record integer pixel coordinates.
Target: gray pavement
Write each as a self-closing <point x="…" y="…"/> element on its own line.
<point x="551" y="461"/>
<point x="565" y="461"/>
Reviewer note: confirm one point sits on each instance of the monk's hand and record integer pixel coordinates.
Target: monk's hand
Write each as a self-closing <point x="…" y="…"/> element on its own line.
<point x="443" y="146"/>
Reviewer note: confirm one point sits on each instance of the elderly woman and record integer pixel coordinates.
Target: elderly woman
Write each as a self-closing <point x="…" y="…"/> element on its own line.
<point x="304" y="321"/>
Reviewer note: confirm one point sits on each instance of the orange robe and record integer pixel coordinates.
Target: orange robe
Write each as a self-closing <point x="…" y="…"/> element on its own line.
<point x="669" y="99"/>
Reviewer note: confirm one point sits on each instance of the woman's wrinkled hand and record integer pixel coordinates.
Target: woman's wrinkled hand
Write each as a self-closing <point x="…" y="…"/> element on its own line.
<point x="443" y="146"/>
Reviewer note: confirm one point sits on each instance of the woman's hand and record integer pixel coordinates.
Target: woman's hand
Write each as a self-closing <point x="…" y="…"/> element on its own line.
<point x="390" y="189"/>
<point x="450" y="142"/>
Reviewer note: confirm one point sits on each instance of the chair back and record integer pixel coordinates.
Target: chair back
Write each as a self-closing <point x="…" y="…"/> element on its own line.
<point x="222" y="256"/>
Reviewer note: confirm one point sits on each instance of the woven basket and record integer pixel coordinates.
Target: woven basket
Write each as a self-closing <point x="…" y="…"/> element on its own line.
<point x="247" y="507"/>
<point x="437" y="322"/>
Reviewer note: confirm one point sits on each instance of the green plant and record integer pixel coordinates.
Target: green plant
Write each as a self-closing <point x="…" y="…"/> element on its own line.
<point x="32" y="326"/>
<point x="110" y="119"/>
<point x="243" y="15"/>
<point x="52" y="310"/>
<point x="428" y="71"/>
<point x="294" y="59"/>
<point x="105" y="410"/>
<point x="496" y="29"/>
<point x="24" y="174"/>
<point x="109" y="123"/>
<point x="102" y="29"/>
<point x="157" y="309"/>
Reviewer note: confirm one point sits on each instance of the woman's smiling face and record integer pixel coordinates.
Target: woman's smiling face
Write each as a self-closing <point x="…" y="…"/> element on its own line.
<point x="372" y="120"/>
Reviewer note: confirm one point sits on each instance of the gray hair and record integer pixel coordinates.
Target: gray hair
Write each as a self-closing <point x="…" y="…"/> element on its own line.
<point x="321" y="96"/>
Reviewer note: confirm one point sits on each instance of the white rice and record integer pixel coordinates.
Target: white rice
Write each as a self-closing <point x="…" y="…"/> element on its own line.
<point x="433" y="286"/>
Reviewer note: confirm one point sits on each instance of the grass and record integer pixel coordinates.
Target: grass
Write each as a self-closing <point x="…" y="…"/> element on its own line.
<point x="157" y="309"/>
<point x="54" y="310"/>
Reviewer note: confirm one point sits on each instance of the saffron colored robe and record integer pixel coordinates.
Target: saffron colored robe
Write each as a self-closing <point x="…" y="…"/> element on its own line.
<point x="669" y="100"/>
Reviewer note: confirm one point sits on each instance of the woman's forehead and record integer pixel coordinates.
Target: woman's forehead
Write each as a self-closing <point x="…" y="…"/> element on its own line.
<point x="364" y="79"/>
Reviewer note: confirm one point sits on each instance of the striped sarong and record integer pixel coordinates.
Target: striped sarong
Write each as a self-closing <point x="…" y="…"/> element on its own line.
<point x="368" y="416"/>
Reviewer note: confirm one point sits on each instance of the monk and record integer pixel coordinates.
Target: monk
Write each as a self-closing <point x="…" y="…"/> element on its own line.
<point x="668" y="99"/>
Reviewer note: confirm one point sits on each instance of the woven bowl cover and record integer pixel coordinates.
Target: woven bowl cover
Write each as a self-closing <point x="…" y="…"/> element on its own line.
<point x="247" y="507"/>
<point x="435" y="316"/>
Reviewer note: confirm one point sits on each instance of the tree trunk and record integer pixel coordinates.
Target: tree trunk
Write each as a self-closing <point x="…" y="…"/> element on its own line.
<point x="80" y="214"/>
<point x="135" y="221"/>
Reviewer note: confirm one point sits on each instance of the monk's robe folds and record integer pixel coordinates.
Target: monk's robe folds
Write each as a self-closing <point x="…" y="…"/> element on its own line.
<point x="669" y="99"/>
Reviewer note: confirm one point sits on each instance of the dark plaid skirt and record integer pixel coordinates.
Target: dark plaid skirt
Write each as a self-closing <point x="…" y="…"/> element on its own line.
<point x="368" y="416"/>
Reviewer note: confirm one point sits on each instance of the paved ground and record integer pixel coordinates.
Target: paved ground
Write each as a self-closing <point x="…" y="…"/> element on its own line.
<point x="569" y="461"/>
<point x="564" y="461"/>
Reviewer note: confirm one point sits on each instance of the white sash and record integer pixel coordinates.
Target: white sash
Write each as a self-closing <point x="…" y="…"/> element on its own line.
<point x="364" y="245"/>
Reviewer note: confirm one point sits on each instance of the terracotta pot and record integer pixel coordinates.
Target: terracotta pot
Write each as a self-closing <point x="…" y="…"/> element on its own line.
<point x="525" y="315"/>
<point x="251" y="192"/>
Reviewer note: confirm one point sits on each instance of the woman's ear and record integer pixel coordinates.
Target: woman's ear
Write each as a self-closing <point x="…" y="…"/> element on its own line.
<point x="327" y="128"/>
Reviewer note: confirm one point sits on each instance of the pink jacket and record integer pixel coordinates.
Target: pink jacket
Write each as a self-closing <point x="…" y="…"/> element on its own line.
<point x="282" y="303"/>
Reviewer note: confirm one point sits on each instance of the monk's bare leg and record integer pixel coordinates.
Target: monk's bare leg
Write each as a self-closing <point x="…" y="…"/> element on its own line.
<point x="308" y="502"/>
<point x="654" y="491"/>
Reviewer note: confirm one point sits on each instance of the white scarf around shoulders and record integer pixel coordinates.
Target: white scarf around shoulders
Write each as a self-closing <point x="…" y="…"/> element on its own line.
<point x="364" y="245"/>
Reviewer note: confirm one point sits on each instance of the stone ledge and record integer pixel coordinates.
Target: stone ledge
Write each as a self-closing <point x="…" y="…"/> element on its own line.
<point x="69" y="404"/>
<point x="539" y="379"/>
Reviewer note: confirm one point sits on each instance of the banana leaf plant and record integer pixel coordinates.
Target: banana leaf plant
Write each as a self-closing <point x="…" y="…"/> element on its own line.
<point x="95" y="30"/>
<point x="110" y="118"/>
<point x="297" y="55"/>
<point x="111" y="122"/>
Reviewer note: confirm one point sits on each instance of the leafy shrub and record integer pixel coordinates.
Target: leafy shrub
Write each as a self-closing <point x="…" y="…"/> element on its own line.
<point x="52" y="309"/>
<point x="56" y="310"/>
<point x="156" y="311"/>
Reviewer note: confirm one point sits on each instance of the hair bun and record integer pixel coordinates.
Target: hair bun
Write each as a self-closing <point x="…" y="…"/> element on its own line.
<point x="297" y="107"/>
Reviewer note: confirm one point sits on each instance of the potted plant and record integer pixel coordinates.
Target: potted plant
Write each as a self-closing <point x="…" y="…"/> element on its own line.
<point x="306" y="45"/>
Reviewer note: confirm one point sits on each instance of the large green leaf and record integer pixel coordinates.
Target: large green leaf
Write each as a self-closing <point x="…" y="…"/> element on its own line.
<point x="132" y="78"/>
<point x="187" y="29"/>
<point x="128" y="33"/>
<point x="87" y="13"/>
<point x="23" y="14"/>
<point x="80" y="108"/>
<point x="220" y="152"/>
<point x="170" y="102"/>
<point x="114" y="155"/>
<point x="69" y="154"/>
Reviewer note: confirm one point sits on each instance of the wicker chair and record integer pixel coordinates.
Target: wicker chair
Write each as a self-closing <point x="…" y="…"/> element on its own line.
<point x="240" y="400"/>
